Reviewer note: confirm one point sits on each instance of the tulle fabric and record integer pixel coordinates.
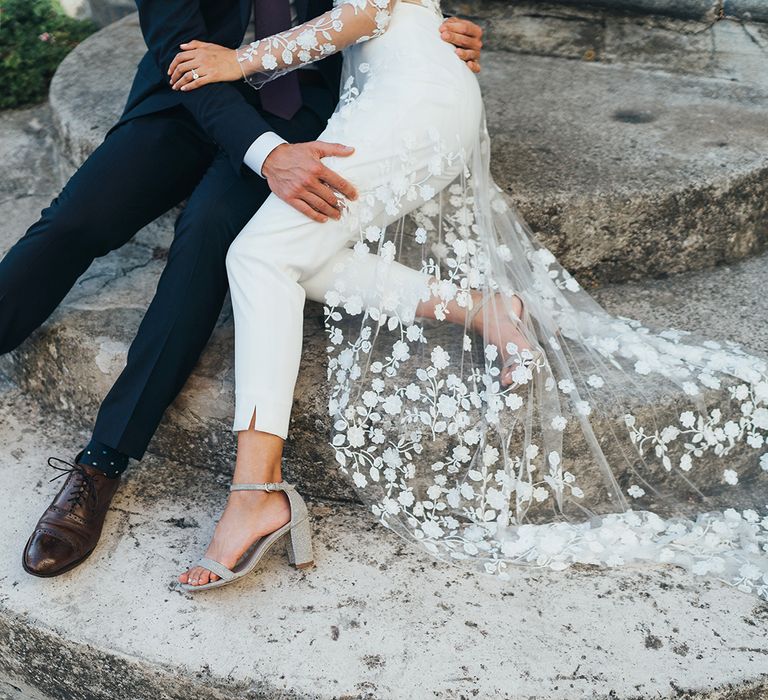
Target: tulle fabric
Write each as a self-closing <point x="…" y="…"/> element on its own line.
<point x="617" y="443"/>
<point x="349" y="22"/>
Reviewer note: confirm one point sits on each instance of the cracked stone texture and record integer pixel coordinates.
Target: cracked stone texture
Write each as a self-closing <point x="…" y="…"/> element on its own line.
<point x="718" y="47"/>
<point x="748" y="9"/>
<point x="355" y="626"/>
<point x="623" y="172"/>
<point x="715" y="48"/>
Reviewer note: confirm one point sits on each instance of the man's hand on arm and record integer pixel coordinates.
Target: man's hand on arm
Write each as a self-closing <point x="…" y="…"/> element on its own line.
<point x="296" y="174"/>
<point x="467" y="37"/>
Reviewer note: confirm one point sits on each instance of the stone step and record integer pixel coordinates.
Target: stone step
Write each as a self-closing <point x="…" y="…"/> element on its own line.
<point x="107" y="11"/>
<point x="376" y="618"/>
<point x="701" y="10"/>
<point x="716" y="47"/>
<point x="623" y="172"/>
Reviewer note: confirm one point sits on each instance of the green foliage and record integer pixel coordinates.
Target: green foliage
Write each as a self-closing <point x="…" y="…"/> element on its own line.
<point x="35" y="35"/>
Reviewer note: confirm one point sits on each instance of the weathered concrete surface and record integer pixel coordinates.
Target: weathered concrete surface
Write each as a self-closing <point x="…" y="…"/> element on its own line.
<point x="623" y="172"/>
<point x="17" y="690"/>
<point x="26" y="144"/>
<point x="376" y="618"/>
<point x="103" y="12"/>
<point x="747" y="9"/>
<point x="597" y="32"/>
<point x="688" y="9"/>
<point x="727" y="303"/>
<point x="692" y="10"/>
<point x="729" y="50"/>
<point x="626" y="173"/>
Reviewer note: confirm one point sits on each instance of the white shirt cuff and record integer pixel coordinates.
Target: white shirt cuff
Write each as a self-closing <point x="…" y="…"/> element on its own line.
<point x="260" y="149"/>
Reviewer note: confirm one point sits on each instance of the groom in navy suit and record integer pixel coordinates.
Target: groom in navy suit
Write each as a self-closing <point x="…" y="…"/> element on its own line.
<point x="222" y="148"/>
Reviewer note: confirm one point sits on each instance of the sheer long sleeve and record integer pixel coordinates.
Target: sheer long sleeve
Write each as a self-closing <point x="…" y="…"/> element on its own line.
<point x="350" y="22"/>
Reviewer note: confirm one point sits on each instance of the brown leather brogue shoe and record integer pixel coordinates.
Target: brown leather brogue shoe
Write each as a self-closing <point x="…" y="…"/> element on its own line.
<point x="71" y="526"/>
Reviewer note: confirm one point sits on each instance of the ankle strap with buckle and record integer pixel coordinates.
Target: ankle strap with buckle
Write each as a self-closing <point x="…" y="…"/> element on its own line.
<point x="269" y="486"/>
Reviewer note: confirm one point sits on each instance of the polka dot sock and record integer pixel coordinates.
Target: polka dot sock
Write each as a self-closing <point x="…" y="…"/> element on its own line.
<point x="104" y="458"/>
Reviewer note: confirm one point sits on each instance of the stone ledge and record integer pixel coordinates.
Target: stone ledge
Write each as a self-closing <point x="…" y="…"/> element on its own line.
<point x="699" y="10"/>
<point x="729" y="47"/>
<point x="376" y="618"/>
<point x="747" y="9"/>
<point x="356" y="626"/>
<point x="684" y="9"/>
<point x="626" y="174"/>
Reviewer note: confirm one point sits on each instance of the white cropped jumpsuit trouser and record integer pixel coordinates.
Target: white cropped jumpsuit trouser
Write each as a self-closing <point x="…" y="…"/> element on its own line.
<point x="420" y="94"/>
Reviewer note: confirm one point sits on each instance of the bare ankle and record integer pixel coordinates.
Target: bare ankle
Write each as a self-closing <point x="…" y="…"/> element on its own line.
<point x="256" y="499"/>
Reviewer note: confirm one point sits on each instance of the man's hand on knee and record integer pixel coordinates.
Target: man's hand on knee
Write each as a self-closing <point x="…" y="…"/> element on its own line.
<point x="467" y="37"/>
<point x="296" y="174"/>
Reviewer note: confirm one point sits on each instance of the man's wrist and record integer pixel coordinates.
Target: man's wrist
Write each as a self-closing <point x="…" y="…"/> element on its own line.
<point x="260" y="149"/>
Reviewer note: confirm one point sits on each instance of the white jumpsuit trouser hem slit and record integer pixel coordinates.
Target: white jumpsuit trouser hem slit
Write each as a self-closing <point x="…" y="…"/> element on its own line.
<point x="272" y="415"/>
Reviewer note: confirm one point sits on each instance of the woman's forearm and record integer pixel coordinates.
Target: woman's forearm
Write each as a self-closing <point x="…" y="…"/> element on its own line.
<point x="200" y="63"/>
<point x="349" y="23"/>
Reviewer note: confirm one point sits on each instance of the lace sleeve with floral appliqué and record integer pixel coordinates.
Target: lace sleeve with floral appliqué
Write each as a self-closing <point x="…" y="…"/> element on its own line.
<point x="349" y="22"/>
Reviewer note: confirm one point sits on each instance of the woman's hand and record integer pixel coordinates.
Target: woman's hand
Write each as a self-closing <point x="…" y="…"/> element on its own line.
<point x="200" y="63"/>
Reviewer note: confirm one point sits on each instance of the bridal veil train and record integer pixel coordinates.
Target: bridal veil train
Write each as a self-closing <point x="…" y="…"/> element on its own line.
<point x="614" y="442"/>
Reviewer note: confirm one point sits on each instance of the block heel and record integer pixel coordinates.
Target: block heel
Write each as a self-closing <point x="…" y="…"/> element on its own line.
<point x="299" y="546"/>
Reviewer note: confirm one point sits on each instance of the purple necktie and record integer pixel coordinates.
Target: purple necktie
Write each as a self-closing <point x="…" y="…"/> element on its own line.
<point x="281" y="96"/>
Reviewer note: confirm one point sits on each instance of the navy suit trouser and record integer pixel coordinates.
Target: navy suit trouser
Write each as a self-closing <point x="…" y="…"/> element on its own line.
<point x="144" y="167"/>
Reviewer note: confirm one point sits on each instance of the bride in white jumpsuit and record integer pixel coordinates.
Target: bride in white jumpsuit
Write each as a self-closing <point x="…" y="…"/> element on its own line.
<point x="483" y="404"/>
<point x="417" y="91"/>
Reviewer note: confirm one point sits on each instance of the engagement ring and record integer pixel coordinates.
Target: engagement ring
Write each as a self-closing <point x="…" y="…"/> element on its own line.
<point x="195" y="74"/>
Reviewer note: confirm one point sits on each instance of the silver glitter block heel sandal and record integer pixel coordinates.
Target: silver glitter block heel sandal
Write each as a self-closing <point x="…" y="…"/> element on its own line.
<point x="299" y="544"/>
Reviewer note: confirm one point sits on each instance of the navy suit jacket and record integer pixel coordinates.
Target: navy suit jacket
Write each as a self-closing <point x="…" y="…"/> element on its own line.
<point x="227" y="112"/>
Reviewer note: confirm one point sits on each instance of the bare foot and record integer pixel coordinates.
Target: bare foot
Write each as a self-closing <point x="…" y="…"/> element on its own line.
<point x="248" y="516"/>
<point x="497" y="327"/>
